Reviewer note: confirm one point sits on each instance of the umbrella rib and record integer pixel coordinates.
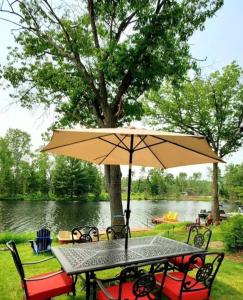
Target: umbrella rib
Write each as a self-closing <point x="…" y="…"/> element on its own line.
<point x="109" y="142"/>
<point x="121" y="140"/>
<point x="76" y="142"/>
<point x="152" y="145"/>
<point x="155" y="155"/>
<point x="198" y="152"/>
<point x="141" y="140"/>
<point x="115" y="146"/>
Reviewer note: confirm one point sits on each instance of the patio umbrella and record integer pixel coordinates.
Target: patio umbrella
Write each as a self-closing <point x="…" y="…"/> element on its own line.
<point x="125" y="146"/>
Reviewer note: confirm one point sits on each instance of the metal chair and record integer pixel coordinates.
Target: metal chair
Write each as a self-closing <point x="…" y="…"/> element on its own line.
<point x="198" y="236"/>
<point x="117" y="232"/>
<point x="42" y="242"/>
<point x="134" y="282"/>
<point x="44" y="286"/>
<point x="85" y="234"/>
<point x="182" y="286"/>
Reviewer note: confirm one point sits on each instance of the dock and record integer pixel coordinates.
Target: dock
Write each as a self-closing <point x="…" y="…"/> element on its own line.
<point x="65" y="237"/>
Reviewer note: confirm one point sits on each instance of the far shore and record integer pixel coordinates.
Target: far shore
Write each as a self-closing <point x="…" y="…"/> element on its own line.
<point x="134" y="197"/>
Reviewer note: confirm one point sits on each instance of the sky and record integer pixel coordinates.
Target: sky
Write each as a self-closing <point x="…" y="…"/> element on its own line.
<point x="220" y="43"/>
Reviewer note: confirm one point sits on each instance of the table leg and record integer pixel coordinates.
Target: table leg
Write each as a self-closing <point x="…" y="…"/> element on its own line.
<point x="87" y="282"/>
<point x="92" y="277"/>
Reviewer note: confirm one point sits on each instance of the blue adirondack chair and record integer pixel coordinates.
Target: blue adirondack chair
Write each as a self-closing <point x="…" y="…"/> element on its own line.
<point x="42" y="242"/>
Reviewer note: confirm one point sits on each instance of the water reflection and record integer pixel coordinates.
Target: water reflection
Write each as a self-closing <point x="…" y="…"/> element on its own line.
<point x="24" y="216"/>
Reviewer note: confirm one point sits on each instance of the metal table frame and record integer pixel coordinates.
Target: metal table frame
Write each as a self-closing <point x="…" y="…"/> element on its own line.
<point x="90" y="257"/>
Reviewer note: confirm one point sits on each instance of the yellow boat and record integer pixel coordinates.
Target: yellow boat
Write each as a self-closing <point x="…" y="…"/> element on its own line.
<point x="167" y="218"/>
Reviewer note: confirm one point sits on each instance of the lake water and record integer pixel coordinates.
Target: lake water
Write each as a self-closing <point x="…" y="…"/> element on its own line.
<point x="26" y="216"/>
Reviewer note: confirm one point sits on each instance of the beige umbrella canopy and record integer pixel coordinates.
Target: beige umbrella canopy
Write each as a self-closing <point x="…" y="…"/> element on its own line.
<point x="150" y="148"/>
<point x="124" y="146"/>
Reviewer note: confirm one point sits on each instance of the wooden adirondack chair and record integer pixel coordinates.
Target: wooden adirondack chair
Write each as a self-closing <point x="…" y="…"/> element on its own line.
<point x="42" y="242"/>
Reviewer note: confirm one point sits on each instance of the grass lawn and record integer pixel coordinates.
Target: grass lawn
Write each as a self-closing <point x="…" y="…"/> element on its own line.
<point x="228" y="284"/>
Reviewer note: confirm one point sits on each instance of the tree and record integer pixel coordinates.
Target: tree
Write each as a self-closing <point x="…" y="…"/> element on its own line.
<point x="181" y="182"/>
<point x="6" y="170"/>
<point x="40" y="177"/>
<point x="157" y="182"/>
<point x="18" y="144"/>
<point x="212" y="107"/>
<point x="74" y="178"/>
<point x="93" y="60"/>
<point x="233" y="181"/>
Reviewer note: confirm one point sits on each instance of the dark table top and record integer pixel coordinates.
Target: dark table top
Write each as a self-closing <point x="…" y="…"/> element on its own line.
<point x="85" y="257"/>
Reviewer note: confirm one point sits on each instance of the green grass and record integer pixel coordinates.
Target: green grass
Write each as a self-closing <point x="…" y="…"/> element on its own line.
<point x="228" y="284"/>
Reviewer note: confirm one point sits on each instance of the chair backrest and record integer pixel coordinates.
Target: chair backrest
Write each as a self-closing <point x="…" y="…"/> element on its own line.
<point x="85" y="234"/>
<point x="199" y="236"/>
<point x="17" y="261"/>
<point x="204" y="275"/>
<point x="144" y="283"/>
<point x="117" y="232"/>
<point x="43" y="239"/>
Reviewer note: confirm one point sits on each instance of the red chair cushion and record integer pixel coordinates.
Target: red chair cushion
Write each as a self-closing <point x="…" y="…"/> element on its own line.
<point x="126" y="292"/>
<point x="50" y="287"/>
<point x="172" y="288"/>
<point x="179" y="261"/>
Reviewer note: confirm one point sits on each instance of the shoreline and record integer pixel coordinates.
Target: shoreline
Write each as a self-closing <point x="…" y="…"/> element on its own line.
<point x="167" y="198"/>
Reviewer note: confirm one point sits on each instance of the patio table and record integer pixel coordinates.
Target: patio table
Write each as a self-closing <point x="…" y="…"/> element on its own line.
<point x="90" y="257"/>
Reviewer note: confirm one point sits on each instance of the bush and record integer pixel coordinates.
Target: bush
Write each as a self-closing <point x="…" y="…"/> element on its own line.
<point x="17" y="237"/>
<point x="233" y="233"/>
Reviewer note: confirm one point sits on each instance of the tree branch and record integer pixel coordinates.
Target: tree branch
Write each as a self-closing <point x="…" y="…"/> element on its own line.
<point x="127" y="79"/>
<point x="68" y="37"/>
<point x="92" y="21"/>
<point x="159" y="5"/>
<point x="102" y="84"/>
<point x="218" y="116"/>
<point x="124" y="25"/>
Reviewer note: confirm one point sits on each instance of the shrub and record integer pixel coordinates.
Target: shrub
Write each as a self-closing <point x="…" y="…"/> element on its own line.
<point x="17" y="237"/>
<point x="233" y="233"/>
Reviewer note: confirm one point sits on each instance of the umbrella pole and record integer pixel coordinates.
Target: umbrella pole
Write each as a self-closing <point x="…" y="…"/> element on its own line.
<point x="128" y="211"/>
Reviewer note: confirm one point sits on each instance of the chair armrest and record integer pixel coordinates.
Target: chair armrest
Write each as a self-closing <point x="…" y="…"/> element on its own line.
<point x="104" y="290"/>
<point x="44" y="277"/>
<point x="37" y="262"/>
<point x="172" y="277"/>
<point x="32" y="242"/>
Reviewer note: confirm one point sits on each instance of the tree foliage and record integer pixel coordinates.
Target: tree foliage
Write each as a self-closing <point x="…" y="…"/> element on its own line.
<point x="16" y="153"/>
<point x="93" y="59"/>
<point x="212" y="107"/>
<point x="233" y="181"/>
<point x="160" y="184"/>
<point x="74" y="178"/>
<point x="28" y="174"/>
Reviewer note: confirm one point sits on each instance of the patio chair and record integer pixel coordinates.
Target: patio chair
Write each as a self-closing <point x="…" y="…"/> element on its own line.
<point x="85" y="234"/>
<point x="117" y="232"/>
<point x="44" y="286"/>
<point x="134" y="282"/>
<point x="182" y="286"/>
<point x="42" y="242"/>
<point x="198" y="236"/>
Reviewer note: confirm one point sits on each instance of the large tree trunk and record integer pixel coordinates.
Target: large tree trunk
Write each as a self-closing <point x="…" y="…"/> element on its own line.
<point x="113" y="180"/>
<point x="215" y="195"/>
